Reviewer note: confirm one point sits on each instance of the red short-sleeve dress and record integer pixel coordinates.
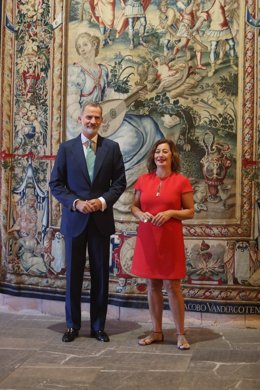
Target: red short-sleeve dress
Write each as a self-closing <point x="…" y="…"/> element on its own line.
<point x="159" y="250"/>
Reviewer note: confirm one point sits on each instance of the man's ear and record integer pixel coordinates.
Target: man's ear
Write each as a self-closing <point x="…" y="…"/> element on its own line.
<point x="79" y="119"/>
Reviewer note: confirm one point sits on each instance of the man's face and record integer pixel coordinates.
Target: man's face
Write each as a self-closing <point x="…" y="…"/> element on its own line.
<point x="90" y="120"/>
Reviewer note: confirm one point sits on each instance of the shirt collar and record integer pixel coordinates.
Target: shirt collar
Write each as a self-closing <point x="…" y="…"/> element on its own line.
<point x="85" y="139"/>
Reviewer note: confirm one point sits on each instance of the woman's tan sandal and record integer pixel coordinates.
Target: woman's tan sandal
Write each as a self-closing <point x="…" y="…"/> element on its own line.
<point x="182" y="343"/>
<point x="153" y="337"/>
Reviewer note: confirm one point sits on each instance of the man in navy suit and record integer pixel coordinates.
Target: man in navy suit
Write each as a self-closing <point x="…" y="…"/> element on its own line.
<point x="87" y="217"/>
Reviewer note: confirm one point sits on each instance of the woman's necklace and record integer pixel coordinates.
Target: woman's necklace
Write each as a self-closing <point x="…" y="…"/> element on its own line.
<point x="158" y="192"/>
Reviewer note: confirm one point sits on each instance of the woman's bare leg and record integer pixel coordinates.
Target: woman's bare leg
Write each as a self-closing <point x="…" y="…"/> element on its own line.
<point x="176" y="303"/>
<point x="155" y="302"/>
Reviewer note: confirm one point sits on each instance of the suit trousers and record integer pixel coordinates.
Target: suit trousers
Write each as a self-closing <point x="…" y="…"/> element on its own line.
<point x="98" y="250"/>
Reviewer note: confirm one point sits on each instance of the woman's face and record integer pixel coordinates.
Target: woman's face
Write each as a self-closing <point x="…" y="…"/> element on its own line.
<point x="163" y="156"/>
<point x="85" y="47"/>
<point x="164" y="9"/>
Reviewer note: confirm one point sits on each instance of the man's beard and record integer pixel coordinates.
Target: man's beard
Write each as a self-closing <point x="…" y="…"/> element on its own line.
<point x="90" y="130"/>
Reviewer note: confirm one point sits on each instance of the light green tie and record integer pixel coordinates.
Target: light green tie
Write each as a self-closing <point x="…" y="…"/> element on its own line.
<point x="90" y="158"/>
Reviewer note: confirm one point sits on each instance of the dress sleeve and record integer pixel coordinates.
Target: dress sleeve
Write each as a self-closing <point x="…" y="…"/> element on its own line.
<point x="138" y="184"/>
<point x="76" y="82"/>
<point x="76" y="79"/>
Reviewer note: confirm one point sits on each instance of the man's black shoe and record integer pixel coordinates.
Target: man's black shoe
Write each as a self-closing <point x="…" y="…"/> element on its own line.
<point x="100" y="335"/>
<point x="70" y="335"/>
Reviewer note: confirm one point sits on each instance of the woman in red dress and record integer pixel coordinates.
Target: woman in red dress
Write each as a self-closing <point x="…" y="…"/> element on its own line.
<point x="163" y="198"/>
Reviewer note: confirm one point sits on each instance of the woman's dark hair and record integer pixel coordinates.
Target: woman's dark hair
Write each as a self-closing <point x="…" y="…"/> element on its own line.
<point x="175" y="165"/>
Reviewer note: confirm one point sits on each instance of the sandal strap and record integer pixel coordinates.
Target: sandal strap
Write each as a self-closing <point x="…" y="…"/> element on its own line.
<point x="182" y="342"/>
<point x="151" y="338"/>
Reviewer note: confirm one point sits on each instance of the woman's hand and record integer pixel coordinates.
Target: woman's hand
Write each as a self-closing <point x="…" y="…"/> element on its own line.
<point x="160" y="218"/>
<point x="145" y="217"/>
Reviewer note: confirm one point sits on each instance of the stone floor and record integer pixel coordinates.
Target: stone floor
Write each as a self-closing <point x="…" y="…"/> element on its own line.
<point x="32" y="356"/>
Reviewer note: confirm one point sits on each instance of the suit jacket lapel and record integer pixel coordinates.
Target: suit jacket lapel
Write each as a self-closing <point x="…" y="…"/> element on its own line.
<point x="100" y="155"/>
<point x="80" y="158"/>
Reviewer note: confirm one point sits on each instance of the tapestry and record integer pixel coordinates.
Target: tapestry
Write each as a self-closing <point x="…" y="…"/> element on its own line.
<point x="185" y="70"/>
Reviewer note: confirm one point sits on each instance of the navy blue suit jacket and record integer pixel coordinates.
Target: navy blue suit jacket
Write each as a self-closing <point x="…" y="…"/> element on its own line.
<point x="70" y="181"/>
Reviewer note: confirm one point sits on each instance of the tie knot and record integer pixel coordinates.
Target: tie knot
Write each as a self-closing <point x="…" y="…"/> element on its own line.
<point x="89" y="144"/>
